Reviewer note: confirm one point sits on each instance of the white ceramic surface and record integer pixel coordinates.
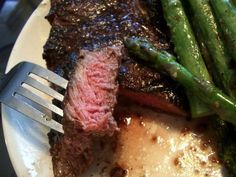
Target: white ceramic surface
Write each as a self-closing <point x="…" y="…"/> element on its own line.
<point x="27" y="141"/>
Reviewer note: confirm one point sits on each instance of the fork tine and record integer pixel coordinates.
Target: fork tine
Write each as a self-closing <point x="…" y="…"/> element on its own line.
<point x="50" y="76"/>
<point x="33" y="113"/>
<point x="28" y="94"/>
<point x="45" y="89"/>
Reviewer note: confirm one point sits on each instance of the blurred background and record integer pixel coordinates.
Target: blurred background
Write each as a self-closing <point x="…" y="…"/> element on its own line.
<point x="13" y="16"/>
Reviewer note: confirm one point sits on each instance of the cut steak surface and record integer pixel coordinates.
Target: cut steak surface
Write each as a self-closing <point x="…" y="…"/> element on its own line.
<point x="92" y="90"/>
<point x="88" y="106"/>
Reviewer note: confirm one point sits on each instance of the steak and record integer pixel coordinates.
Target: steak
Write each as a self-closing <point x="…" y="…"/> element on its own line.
<point x="91" y="93"/>
<point x="88" y="106"/>
<point x="72" y="153"/>
<point x="80" y="26"/>
<point x="95" y="24"/>
<point x="148" y="87"/>
<point x="90" y="24"/>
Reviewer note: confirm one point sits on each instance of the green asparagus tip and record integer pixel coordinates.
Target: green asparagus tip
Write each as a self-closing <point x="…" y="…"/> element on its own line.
<point x="140" y="47"/>
<point x="132" y="44"/>
<point x="144" y="49"/>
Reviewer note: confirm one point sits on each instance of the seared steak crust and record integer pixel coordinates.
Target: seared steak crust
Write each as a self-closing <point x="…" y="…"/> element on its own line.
<point x="90" y="24"/>
<point x="137" y="77"/>
<point x="72" y="154"/>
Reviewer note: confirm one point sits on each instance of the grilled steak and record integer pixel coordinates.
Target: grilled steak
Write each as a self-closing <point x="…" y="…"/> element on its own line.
<point x="72" y="154"/>
<point x="91" y="93"/>
<point x="88" y="106"/>
<point x="94" y="25"/>
<point x="148" y="87"/>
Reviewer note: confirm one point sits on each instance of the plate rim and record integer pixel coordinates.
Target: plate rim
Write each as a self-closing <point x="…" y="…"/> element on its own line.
<point x="4" y="109"/>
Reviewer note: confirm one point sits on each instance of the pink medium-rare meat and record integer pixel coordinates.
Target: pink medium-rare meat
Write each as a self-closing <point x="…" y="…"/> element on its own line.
<point x="92" y="90"/>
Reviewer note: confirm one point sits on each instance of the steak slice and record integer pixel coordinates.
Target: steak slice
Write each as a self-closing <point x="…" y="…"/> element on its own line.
<point x="88" y="105"/>
<point x="91" y="93"/>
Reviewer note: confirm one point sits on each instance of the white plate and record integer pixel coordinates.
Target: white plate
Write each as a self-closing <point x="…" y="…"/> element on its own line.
<point x="27" y="141"/>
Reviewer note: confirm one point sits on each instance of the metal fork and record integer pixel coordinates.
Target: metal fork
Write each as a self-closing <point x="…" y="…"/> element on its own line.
<point x="12" y="91"/>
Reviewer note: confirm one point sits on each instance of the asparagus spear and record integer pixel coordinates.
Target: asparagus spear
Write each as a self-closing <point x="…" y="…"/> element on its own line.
<point x="203" y="16"/>
<point x="225" y="12"/>
<point x="222" y="104"/>
<point x="206" y="55"/>
<point x="201" y="42"/>
<point x="225" y="134"/>
<point x="186" y="48"/>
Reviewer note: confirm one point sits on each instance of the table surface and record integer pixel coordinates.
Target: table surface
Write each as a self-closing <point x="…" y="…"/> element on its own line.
<point x="11" y="23"/>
